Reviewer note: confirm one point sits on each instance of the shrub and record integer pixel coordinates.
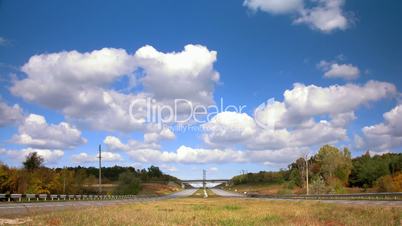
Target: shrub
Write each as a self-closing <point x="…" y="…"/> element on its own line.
<point x="386" y="184"/>
<point x="317" y="185"/>
<point x="128" y="184"/>
<point x="398" y="181"/>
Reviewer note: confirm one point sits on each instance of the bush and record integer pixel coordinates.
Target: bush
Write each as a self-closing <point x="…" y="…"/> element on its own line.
<point x="128" y="184"/>
<point x="336" y="186"/>
<point x="318" y="186"/>
<point x="398" y="181"/>
<point x="386" y="184"/>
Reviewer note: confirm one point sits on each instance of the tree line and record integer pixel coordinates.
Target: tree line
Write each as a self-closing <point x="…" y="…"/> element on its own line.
<point x="35" y="178"/>
<point x="332" y="170"/>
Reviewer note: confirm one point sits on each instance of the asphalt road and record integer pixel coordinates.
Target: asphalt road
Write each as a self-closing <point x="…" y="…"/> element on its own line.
<point x="181" y="194"/>
<point x="224" y="193"/>
<point x="19" y="209"/>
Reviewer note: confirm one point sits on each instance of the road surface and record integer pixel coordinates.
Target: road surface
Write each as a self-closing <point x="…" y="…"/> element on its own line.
<point x="224" y="193"/>
<point x="19" y="209"/>
<point x="181" y="194"/>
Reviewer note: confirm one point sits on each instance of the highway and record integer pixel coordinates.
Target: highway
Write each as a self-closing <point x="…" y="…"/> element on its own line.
<point x="18" y="209"/>
<point x="224" y="193"/>
<point x="182" y="194"/>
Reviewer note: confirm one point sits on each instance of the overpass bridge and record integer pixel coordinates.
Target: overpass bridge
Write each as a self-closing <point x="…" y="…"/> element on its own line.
<point x="204" y="182"/>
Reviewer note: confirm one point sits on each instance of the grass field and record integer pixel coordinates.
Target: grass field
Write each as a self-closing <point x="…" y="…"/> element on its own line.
<point x="222" y="211"/>
<point x="275" y="189"/>
<point x="158" y="188"/>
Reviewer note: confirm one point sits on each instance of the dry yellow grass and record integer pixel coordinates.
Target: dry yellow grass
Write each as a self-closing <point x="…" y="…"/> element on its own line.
<point x="263" y="189"/>
<point x="158" y="189"/>
<point x="224" y="211"/>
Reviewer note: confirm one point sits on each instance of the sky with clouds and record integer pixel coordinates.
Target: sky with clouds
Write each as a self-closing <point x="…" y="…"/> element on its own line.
<point x="269" y="81"/>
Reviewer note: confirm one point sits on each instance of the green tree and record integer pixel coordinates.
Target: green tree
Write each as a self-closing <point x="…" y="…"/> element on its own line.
<point x="128" y="184"/>
<point x="154" y="172"/>
<point x="334" y="163"/>
<point x="33" y="161"/>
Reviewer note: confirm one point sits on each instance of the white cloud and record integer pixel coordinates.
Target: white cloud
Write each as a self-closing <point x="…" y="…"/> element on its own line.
<point x="114" y="144"/>
<point x="274" y="6"/>
<point x="314" y="100"/>
<point x="168" y="168"/>
<point x="35" y="132"/>
<point x="335" y="70"/>
<point x="9" y="114"/>
<point x="383" y="136"/>
<point x="164" y="133"/>
<point x="50" y="156"/>
<point x="326" y="16"/>
<point x="322" y="15"/>
<point x="99" y="67"/>
<point x="87" y="158"/>
<point x="187" y="74"/>
<point x="75" y="84"/>
<point x="343" y="119"/>
<point x="228" y="127"/>
<point x="185" y="154"/>
<point x="291" y="123"/>
<point x="79" y="84"/>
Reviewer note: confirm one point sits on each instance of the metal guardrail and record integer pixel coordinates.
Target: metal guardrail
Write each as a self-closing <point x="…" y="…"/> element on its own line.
<point x="54" y="197"/>
<point x="389" y="196"/>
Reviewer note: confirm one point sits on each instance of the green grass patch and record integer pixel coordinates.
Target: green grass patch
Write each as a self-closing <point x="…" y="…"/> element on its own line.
<point x="231" y="207"/>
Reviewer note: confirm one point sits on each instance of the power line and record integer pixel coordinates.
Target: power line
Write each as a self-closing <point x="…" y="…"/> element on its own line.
<point x="100" y="170"/>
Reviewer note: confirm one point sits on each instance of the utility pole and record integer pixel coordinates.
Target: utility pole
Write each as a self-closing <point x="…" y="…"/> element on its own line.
<point x="204" y="183"/>
<point x="64" y="180"/>
<point x="100" y="170"/>
<point x="306" y="159"/>
<point x="204" y="176"/>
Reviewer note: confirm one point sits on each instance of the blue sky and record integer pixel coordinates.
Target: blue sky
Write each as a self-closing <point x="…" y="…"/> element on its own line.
<point x="345" y="55"/>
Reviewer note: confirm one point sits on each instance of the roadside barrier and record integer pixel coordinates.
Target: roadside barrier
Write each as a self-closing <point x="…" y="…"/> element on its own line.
<point x="64" y="197"/>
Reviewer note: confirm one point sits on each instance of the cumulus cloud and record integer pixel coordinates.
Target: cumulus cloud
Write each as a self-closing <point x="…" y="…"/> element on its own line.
<point x="35" y="132"/>
<point x="9" y="114"/>
<point x="229" y="127"/>
<point x="187" y="74"/>
<point x="185" y="154"/>
<point x="168" y="168"/>
<point x="87" y="158"/>
<point x="383" y="136"/>
<point x="335" y="70"/>
<point x="50" y="156"/>
<point x="327" y="16"/>
<point x="274" y="6"/>
<point x="291" y="123"/>
<point x="79" y="84"/>
<point x="164" y="133"/>
<point x="322" y="15"/>
<point x="75" y="83"/>
<point x="314" y="100"/>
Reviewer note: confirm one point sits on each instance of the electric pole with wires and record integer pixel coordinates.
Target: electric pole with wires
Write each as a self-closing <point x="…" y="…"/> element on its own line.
<point x="100" y="170"/>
